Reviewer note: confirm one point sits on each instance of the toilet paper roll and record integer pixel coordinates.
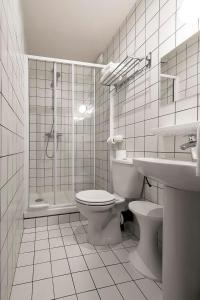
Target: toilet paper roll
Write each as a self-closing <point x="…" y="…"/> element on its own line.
<point x="120" y="154"/>
<point x="115" y="139"/>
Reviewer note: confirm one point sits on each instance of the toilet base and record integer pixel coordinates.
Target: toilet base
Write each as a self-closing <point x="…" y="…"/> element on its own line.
<point x="104" y="233"/>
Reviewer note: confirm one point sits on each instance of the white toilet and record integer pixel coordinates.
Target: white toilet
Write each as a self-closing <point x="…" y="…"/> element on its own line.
<point x="147" y="258"/>
<point x="103" y="209"/>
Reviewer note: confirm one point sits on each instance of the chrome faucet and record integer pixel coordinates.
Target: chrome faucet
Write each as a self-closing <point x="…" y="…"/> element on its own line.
<point x="192" y="145"/>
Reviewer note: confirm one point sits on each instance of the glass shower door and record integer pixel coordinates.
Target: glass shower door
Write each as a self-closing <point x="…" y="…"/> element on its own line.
<point x="84" y="128"/>
<point x="62" y="128"/>
<point x="41" y="128"/>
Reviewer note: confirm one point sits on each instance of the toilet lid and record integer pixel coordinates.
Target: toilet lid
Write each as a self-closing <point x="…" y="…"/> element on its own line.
<point x="95" y="197"/>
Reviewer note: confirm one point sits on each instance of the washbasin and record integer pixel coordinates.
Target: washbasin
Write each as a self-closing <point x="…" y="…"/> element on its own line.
<point x="181" y="223"/>
<point x="173" y="173"/>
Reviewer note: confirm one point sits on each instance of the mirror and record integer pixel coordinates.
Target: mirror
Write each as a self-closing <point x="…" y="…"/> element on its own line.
<point x="179" y="71"/>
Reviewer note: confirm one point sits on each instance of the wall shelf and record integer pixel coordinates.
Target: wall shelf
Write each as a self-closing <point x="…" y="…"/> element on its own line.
<point x="127" y="70"/>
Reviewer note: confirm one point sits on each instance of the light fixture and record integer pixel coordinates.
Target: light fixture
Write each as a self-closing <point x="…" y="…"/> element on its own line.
<point x="190" y="11"/>
<point x="82" y="108"/>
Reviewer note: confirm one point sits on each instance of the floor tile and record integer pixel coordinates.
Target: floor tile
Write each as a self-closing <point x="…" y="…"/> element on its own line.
<point x="113" y="282"/>
<point x="63" y="286"/>
<point x="92" y="295"/>
<point x="130" y="290"/>
<point x="41" y="235"/>
<point x="23" y="275"/>
<point x="77" y="264"/>
<point x="110" y="292"/>
<point x="117" y="246"/>
<point x="75" y="224"/>
<point x="42" y="244"/>
<point x="101" y="248"/>
<point x="27" y="247"/>
<point x="149" y="289"/>
<point x="21" y="292"/>
<point x="87" y="248"/>
<point x="54" y="233"/>
<point x="29" y="237"/>
<point x="42" y="271"/>
<point x="53" y="227"/>
<point x="101" y="277"/>
<point x="159" y="284"/>
<point x="60" y="267"/>
<point x="41" y="256"/>
<point x="118" y="273"/>
<point x="66" y="231"/>
<point x="122" y="255"/>
<point x="56" y="242"/>
<point x="43" y="290"/>
<point x="109" y="258"/>
<point x="73" y="251"/>
<point x="69" y="240"/>
<point x="93" y="261"/>
<point x="25" y="259"/>
<point x="78" y="230"/>
<point x="82" y="238"/>
<point x="83" y="281"/>
<point x="65" y="225"/>
<point x="132" y="271"/>
<point x="130" y="243"/>
<point x="29" y="230"/>
<point x="41" y="228"/>
<point x="58" y="253"/>
<point x="73" y="297"/>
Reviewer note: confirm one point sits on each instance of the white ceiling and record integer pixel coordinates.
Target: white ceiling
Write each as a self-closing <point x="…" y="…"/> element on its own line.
<point x="72" y="29"/>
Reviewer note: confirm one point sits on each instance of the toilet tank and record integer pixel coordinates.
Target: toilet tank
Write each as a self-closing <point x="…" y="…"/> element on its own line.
<point x="127" y="181"/>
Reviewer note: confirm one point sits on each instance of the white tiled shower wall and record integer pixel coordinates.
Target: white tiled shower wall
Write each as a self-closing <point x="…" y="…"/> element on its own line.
<point x="12" y="99"/>
<point x="152" y="26"/>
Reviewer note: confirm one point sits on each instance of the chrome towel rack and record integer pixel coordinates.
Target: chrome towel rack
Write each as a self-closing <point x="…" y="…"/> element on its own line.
<point x="128" y="69"/>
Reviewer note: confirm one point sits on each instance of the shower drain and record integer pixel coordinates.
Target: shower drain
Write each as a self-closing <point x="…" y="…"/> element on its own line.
<point x="39" y="200"/>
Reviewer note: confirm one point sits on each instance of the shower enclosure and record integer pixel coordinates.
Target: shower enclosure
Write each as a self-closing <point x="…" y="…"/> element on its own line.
<point x="61" y="131"/>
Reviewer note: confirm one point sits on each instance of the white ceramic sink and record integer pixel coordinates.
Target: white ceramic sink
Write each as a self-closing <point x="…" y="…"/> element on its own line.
<point x="181" y="223"/>
<point x="172" y="173"/>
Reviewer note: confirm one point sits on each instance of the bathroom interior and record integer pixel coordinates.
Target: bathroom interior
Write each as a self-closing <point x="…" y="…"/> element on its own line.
<point x="99" y="150"/>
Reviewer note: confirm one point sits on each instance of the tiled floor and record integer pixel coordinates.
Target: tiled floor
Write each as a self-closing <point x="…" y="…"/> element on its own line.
<point x="57" y="262"/>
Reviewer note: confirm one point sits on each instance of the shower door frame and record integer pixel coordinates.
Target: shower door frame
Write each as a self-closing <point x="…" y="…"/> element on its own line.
<point x="72" y="63"/>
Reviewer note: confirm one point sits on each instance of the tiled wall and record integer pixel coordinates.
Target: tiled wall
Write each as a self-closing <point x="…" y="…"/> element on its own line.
<point x="152" y="26"/>
<point x="12" y="99"/>
<point x="41" y="119"/>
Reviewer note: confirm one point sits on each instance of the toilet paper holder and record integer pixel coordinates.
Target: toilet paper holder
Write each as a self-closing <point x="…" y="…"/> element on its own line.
<point x="112" y="140"/>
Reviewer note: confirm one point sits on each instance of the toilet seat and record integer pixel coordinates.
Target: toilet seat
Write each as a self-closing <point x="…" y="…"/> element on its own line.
<point x="95" y="197"/>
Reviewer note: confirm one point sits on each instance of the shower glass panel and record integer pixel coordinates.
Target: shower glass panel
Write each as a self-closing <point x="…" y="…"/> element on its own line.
<point x="84" y="112"/>
<point x="61" y="132"/>
<point x="41" y="132"/>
